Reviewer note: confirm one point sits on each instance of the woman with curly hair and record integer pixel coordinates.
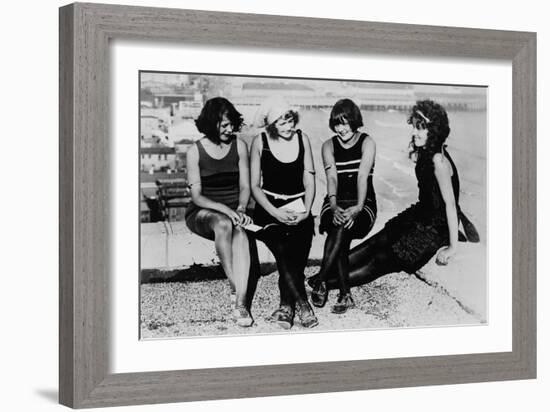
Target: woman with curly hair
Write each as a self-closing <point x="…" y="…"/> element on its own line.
<point x="283" y="184"/>
<point x="349" y="209"/>
<point x="218" y="173"/>
<point x="410" y="239"/>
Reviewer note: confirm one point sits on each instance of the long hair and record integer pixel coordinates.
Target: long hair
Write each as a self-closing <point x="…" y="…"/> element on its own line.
<point x="433" y="117"/>
<point x="212" y="114"/>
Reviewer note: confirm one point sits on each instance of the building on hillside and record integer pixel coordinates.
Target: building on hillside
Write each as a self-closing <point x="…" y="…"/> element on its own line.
<point x="159" y="158"/>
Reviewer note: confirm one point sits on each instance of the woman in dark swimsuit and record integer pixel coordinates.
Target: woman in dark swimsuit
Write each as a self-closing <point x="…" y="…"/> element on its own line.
<point x="218" y="173"/>
<point x="409" y="240"/>
<point x="282" y="174"/>
<point x="349" y="209"/>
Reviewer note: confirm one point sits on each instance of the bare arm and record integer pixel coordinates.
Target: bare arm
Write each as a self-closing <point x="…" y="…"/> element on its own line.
<point x="244" y="182"/>
<point x="368" y="153"/>
<point x="309" y="174"/>
<point x="443" y="175"/>
<point x="244" y="175"/>
<point x="367" y="160"/>
<point x="193" y="174"/>
<point x="256" y="176"/>
<point x="332" y="181"/>
<point x="330" y="171"/>
<point x="256" y="184"/>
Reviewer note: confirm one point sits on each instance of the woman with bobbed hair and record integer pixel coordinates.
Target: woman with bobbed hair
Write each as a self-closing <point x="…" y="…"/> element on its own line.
<point x="218" y="173"/>
<point x="430" y="226"/>
<point x="349" y="209"/>
<point x="283" y="184"/>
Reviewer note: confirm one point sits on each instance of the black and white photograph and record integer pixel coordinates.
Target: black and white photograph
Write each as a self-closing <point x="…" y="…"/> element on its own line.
<point x="290" y="205"/>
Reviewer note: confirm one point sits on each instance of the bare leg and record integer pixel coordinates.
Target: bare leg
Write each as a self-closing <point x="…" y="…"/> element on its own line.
<point x="216" y="226"/>
<point x="223" y="241"/>
<point x="241" y="263"/>
<point x="232" y="248"/>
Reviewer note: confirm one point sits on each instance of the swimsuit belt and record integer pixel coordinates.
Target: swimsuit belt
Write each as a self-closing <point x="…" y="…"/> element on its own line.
<point x="283" y="196"/>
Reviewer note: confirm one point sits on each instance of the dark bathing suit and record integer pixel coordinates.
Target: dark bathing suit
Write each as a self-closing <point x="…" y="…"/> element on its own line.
<point x="418" y="232"/>
<point x="219" y="183"/>
<point x="347" y="166"/>
<point x="283" y="183"/>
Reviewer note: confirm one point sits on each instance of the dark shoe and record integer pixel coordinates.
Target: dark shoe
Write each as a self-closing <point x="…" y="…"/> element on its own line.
<point x="319" y="294"/>
<point x="343" y="303"/>
<point x="312" y="281"/>
<point x="283" y="316"/>
<point x="306" y="316"/>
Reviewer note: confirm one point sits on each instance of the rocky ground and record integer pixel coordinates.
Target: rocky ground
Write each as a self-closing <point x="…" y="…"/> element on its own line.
<point x="202" y="308"/>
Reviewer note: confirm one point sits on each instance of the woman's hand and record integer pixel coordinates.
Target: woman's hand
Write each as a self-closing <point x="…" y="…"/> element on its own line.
<point x="284" y="216"/>
<point x="299" y="217"/>
<point x="444" y="255"/>
<point x="338" y="217"/>
<point x="245" y="220"/>
<point x="350" y="214"/>
<point x="231" y="214"/>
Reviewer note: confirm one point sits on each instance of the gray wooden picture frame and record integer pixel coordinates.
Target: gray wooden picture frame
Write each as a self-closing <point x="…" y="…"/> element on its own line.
<point x="85" y="32"/>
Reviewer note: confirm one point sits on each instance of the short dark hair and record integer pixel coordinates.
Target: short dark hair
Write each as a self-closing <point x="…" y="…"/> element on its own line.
<point x="433" y="117"/>
<point x="272" y="130"/>
<point x="345" y="110"/>
<point x="211" y="115"/>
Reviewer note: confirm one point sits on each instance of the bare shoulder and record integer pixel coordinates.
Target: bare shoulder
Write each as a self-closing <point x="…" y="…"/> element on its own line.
<point x="327" y="146"/>
<point x="193" y="149"/>
<point x="369" y="143"/>
<point x="305" y="138"/>
<point x="257" y="143"/>
<point x="192" y="155"/>
<point x="241" y="145"/>
<point x="441" y="164"/>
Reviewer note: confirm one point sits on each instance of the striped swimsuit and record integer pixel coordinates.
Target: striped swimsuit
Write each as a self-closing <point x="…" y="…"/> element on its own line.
<point x="347" y="167"/>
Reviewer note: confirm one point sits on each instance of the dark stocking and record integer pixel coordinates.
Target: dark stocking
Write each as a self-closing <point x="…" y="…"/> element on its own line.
<point x="299" y="248"/>
<point x="336" y="244"/>
<point x="382" y="261"/>
<point x="254" y="273"/>
<point x="342" y="264"/>
<point x="289" y="278"/>
<point x="362" y="253"/>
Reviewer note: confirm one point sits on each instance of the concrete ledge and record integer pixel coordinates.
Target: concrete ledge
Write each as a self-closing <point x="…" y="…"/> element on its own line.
<point x="170" y="252"/>
<point x="171" y="246"/>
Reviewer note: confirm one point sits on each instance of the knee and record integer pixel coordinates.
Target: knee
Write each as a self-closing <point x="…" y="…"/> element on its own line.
<point x="336" y="231"/>
<point x="238" y="230"/>
<point x="223" y="226"/>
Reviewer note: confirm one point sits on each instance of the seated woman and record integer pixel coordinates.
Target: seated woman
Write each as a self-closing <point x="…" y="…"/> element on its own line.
<point x="218" y="173"/>
<point x="409" y="240"/>
<point x="283" y="184"/>
<point x="349" y="209"/>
